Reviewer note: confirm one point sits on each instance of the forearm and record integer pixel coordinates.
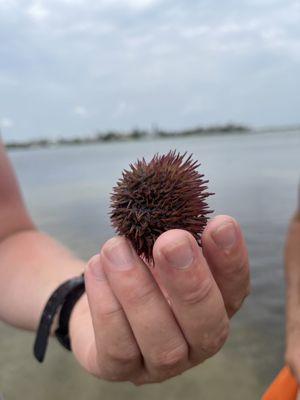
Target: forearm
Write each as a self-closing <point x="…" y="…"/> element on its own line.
<point x="32" y="265"/>
<point x="292" y="271"/>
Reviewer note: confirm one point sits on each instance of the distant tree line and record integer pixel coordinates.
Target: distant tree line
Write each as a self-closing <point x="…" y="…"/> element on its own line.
<point x="135" y="134"/>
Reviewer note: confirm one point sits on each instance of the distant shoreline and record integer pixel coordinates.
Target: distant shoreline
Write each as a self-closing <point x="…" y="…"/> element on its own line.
<point x="140" y="134"/>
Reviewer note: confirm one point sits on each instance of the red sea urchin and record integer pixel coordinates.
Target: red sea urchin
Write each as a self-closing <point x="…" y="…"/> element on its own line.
<point x="151" y="198"/>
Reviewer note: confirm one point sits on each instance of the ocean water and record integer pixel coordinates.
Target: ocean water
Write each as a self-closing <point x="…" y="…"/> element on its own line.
<point x="254" y="177"/>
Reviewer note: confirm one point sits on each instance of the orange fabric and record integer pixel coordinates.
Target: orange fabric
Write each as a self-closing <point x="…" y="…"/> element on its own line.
<point x="284" y="387"/>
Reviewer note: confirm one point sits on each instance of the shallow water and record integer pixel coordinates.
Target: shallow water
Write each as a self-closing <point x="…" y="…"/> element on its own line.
<point x="255" y="179"/>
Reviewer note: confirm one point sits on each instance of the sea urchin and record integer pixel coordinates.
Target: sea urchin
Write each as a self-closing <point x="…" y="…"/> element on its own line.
<point x="166" y="193"/>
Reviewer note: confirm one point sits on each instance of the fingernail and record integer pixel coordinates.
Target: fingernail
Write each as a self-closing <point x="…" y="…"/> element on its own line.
<point x="95" y="267"/>
<point x="179" y="255"/>
<point x="119" y="253"/>
<point x="225" y="236"/>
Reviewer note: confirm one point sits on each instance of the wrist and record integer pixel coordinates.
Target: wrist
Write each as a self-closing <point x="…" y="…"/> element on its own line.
<point x="78" y="317"/>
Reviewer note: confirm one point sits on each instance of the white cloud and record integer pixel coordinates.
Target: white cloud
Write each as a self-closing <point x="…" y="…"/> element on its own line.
<point x="81" y="111"/>
<point x="6" y="122"/>
<point x="38" y="12"/>
<point x="134" y="4"/>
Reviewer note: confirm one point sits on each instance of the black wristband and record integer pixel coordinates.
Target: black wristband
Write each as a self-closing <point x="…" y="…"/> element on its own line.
<point x="63" y="298"/>
<point x="62" y="332"/>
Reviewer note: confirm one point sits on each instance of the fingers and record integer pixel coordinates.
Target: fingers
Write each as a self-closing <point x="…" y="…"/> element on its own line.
<point x="118" y="356"/>
<point x="138" y="335"/>
<point x="226" y="253"/>
<point x="157" y="333"/>
<point x="195" y="298"/>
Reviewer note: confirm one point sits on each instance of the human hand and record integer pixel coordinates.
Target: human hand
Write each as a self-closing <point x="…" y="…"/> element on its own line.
<point x="146" y="325"/>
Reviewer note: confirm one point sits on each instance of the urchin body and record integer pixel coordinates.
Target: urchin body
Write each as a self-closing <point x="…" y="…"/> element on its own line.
<point x="166" y="193"/>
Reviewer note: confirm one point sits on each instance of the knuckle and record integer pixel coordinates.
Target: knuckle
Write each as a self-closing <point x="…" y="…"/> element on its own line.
<point x="141" y="295"/>
<point x="212" y="345"/>
<point x="235" y="265"/>
<point x="102" y="367"/>
<point x="217" y="344"/>
<point x="129" y="355"/>
<point x="197" y="293"/>
<point x="170" y="359"/>
<point x="110" y="312"/>
<point x="233" y="268"/>
<point x="116" y="369"/>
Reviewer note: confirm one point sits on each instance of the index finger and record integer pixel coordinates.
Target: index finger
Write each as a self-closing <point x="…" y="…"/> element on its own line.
<point x="151" y="319"/>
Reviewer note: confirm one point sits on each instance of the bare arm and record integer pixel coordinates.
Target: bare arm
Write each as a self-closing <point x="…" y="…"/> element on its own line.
<point x="13" y="215"/>
<point x="292" y="265"/>
<point x="32" y="264"/>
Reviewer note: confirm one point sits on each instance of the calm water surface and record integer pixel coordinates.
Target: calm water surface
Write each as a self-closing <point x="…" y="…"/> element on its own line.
<point x="67" y="191"/>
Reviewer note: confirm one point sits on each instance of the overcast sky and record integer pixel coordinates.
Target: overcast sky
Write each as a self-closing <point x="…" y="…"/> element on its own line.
<point x="75" y="67"/>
